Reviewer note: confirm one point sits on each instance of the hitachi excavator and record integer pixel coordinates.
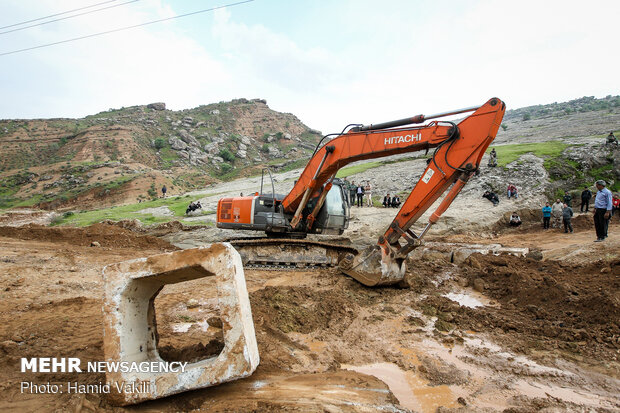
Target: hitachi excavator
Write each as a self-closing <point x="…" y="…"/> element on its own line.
<point x="317" y="203"/>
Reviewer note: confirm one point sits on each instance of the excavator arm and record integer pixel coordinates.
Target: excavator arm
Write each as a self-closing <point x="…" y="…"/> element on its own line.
<point x="458" y="150"/>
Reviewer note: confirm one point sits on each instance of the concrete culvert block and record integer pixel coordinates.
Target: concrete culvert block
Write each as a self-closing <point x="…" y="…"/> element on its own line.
<point x="130" y="328"/>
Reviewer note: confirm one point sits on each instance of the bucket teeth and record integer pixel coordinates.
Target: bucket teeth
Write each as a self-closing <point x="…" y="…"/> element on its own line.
<point x="373" y="267"/>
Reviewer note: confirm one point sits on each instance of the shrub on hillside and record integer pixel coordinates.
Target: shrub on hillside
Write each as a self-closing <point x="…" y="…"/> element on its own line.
<point x="227" y="155"/>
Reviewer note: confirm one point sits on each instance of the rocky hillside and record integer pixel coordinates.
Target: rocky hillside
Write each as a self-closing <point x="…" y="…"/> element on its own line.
<point x="128" y="154"/>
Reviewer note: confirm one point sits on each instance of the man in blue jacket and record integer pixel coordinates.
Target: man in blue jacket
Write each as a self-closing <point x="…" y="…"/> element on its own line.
<point x="546" y="211"/>
<point x="602" y="210"/>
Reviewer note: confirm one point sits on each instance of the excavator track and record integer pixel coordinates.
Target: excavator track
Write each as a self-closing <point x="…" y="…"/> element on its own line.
<point x="286" y="254"/>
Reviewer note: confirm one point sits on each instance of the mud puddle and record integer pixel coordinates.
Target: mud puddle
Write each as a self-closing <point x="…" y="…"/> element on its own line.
<point x="412" y="391"/>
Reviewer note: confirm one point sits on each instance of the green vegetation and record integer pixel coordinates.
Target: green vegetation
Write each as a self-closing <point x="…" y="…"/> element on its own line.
<point x="227" y="155"/>
<point x="152" y="191"/>
<point x="159" y="143"/>
<point x="585" y="104"/>
<point x="177" y="205"/>
<point x="356" y="169"/>
<point x="510" y="153"/>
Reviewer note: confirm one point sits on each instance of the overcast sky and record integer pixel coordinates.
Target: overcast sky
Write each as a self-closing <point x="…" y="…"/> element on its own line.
<point x="331" y="63"/>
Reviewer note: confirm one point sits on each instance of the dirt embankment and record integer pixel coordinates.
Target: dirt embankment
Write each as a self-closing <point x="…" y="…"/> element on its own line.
<point x="110" y="236"/>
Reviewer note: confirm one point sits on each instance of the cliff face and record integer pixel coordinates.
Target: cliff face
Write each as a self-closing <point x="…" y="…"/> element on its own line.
<point x="129" y="153"/>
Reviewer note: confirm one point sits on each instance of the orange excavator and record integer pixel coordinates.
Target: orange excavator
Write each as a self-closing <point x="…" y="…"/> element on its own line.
<point x="317" y="203"/>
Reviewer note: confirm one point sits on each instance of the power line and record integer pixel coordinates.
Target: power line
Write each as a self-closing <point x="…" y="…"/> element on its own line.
<point x="126" y="28"/>
<point x="68" y="17"/>
<point x="57" y="14"/>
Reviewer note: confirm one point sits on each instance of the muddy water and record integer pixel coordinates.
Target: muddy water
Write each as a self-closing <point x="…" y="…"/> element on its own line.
<point x="411" y="391"/>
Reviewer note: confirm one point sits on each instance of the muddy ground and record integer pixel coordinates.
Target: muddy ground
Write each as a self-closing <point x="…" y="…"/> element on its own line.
<point x="492" y="333"/>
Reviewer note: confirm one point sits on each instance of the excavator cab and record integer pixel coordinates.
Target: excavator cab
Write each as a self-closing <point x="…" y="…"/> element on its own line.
<point x="333" y="217"/>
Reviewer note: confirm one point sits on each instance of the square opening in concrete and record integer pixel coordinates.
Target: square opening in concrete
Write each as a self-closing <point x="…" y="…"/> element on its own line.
<point x="130" y="328"/>
<point x="188" y="321"/>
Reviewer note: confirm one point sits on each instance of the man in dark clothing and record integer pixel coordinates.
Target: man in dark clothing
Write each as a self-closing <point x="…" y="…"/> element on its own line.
<point x="491" y="196"/>
<point x="603" y="204"/>
<point x="586" y="196"/>
<point x="164" y="190"/>
<point x="352" y="193"/>
<point x="360" y="195"/>
<point x="567" y="214"/>
<point x="395" y="201"/>
<point x="568" y="199"/>
<point x="387" y="201"/>
<point x="611" y="139"/>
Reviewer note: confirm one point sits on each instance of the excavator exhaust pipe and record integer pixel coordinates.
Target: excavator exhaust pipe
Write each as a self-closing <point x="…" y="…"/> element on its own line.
<point x="374" y="267"/>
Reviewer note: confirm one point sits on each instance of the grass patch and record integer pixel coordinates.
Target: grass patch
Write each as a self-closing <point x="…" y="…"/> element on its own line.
<point x="177" y="205"/>
<point x="510" y="153"/>
<point x="356" y="169"/>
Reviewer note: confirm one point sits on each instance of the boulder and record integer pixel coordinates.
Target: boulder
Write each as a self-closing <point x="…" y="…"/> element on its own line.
<point x="273" y="151"/>
<point x="187" y="138"/>
<point x="242" y="154"/>
<point x="212" y="148"/>
<point x="157" y="106"/>
<point x="176" y="143"/>
<point x="243" y="147"/>
<point x="245" y="140"/>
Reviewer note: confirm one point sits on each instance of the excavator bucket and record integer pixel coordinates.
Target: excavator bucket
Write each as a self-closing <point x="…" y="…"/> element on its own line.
<point x="374" y="267"/>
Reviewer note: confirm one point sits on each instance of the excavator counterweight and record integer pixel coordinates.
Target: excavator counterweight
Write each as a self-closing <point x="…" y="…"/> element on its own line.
<point x="317" y="202"/>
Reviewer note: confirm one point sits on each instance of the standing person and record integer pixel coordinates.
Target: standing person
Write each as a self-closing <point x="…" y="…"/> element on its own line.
<point x="164" y="190"/>
<point x="345" y="185"/>
<point x="568" y="199"/>
<point x="368" y="193"/>
<point x="567" y="214"/>
<point x="360" y="195"/>
<point x="602" y="210"/>
<point x="615" y="203"/>
<point x="352" y="193"/>
<point x="493" y="158"/>
<point x="586" y="196"/>
<point x="546" y="211"/>
<point x="556" y="212"/>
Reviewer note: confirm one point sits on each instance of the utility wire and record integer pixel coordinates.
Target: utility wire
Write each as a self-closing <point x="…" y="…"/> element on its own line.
<point x="68" y="17"/>
<point x="126" y="28"/>
<point x="57" y="14"/>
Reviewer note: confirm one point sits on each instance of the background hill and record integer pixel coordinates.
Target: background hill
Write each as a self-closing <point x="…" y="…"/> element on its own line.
<point x="124" y="156"/>
<point x="128" y="154"/>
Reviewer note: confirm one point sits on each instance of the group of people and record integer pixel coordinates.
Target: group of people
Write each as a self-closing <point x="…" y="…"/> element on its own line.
<point x="561" y="212"/>
<point x="359" y="194"/>
<point x="391" y="202"/>
<point x="511" y="191"/>
<point x="193" y="206"/>
<point x="605" y="205"/>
